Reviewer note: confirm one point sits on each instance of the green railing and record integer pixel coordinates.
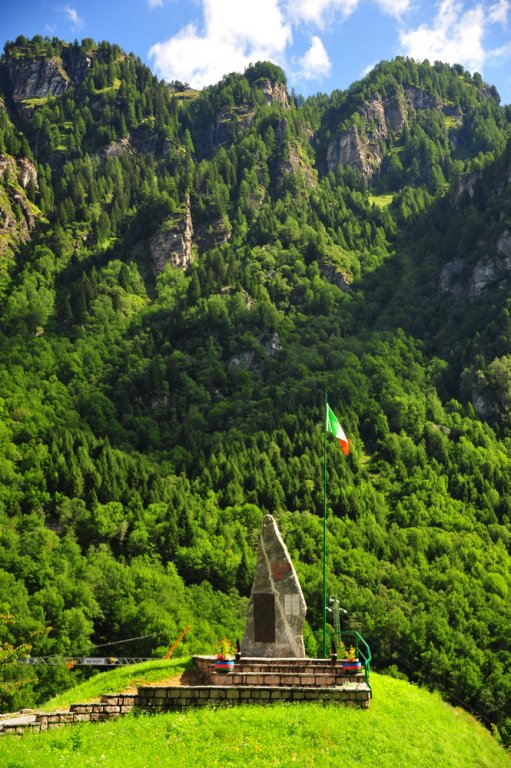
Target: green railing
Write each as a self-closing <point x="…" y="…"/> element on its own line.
<point x="350" y="637"/>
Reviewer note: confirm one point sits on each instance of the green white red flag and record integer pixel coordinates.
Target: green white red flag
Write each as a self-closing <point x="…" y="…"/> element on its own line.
<point x="333" y="426"/>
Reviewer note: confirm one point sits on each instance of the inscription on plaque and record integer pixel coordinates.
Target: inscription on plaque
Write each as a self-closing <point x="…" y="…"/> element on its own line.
<point x="291" y="605"/>
<point x="264" y="617"/>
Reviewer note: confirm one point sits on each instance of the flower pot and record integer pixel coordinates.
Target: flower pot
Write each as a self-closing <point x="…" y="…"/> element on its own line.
<point x="224" y="666"/>
<point x="351" y="665"/>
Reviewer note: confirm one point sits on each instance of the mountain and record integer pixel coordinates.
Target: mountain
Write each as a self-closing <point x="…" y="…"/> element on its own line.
<point x="181" y="275"/>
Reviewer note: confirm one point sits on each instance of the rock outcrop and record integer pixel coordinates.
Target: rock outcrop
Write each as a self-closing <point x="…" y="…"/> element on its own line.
<point x="77" y="63"/>
<point x="117" y="148"/>
<point x="236" y="119"/>
<point x="492" y="269"/>
<point x="27" y="172"/>
<point x="17" y="218"/>
<point x="228" y="123"/>
<point x="172" y="244"/>
<point x="274" y="92"/>
<point x="361" y="145"/>
<point x="36" y="78"/>
<point x="212" y="234"/>
<point x="335" y="276"/>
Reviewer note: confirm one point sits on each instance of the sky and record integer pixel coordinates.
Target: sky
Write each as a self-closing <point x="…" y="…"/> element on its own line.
<point x="322" y="45"/>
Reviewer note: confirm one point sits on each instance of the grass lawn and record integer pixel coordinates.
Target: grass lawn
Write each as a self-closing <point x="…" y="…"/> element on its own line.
<point x="382" y="201"/>
<point x="406" y="727"/>
<point x="117" y="680"/>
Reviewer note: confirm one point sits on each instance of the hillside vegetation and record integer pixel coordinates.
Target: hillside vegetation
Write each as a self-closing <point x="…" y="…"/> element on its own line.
<point x="179" y="280"/>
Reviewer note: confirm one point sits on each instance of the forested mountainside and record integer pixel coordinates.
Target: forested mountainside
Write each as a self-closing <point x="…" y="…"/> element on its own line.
<point x="181" y="274"/>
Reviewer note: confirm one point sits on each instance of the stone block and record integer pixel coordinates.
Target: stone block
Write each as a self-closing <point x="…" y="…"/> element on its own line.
<point x="277" y="607"/>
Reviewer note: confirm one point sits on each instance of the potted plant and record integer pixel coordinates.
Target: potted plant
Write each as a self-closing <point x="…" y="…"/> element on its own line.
<point x="350" y="662"/>
<point x="224" y="661"/>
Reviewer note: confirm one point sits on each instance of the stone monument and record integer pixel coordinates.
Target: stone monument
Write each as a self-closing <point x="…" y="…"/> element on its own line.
<point x="277" y="607"/>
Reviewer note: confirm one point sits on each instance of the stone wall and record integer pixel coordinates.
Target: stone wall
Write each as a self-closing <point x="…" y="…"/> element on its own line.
<point x="179" y="698"/>
<point x="109" y="708"/>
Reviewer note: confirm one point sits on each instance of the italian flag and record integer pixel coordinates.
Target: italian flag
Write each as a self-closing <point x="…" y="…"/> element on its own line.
<point x="333" y="426"/>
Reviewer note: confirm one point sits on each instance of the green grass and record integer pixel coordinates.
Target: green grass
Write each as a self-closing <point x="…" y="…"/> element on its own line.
<point x="36" y="102"/>
<point x="117" y="680"/>
<point x="406" y="727"/>
<point x="382" y="201"/>
<point x="187" y="95"/>
<point x="109" y="88"/>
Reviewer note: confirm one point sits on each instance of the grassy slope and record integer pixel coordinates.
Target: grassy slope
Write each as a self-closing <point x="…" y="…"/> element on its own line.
<point x="405" y="727"/>
<point x="120" y="679"/>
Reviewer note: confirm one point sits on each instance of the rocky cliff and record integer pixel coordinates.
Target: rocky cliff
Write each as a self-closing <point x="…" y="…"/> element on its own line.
<point x="362" y="145"/>
<point x="492" y="269"/>
<point x="172" y="243"/>
<point x="17" y="214"/>
<point x="36" y="78"/>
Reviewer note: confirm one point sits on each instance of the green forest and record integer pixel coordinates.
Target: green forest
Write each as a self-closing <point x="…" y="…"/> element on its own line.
<point x="182" y="273"/>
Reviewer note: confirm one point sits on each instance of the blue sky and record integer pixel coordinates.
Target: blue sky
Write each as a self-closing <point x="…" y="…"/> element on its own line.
<point x="321" y="44"/>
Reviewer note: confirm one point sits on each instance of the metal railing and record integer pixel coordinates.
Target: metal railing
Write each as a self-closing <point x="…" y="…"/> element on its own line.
<point x="350" y="637"/>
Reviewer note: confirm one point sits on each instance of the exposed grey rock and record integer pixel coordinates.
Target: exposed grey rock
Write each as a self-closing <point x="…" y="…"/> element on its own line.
<point x="245" y="359"/>
<point x="172" y="244"/>
<point x="274" y="346"/>
<point x="212" y="234"/>
<point x="465" y="187"/>
<point x="333" y="275"/>
<point x="117" y="148"/>
<point x="228" y="123"/>
<point x="504" y="246"/>
<point x="14" y="228"/>
<point x="362" y="150"/>
<point x="146" y="139"/>
<point x="273" y="92"/>
<point x="36" y="78"/>
<point x="493" y="267"/>
<point x="481" y="403"/>
<point x="449" y="277"/>
<point x="77" y="63"/>
<point x="26" y="172"/>
<point x="346" y="150"/>
<point x="277" y="607"/>
<point x="417" y="98"/>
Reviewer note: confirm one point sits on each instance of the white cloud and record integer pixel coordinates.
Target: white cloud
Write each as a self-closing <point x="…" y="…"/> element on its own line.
<point x="396" y="8"/>
<point x="499" y="12"/>
<point x="368" y="69"/>
<point x="253" y="23"/>
<point x="315" y="63"/>
<point x="455" y="36"/>
<point x="72" y="16"/>
<point x="155" y="3"/>
<point x="318" y="12"/>
<point x="234" y="35"/>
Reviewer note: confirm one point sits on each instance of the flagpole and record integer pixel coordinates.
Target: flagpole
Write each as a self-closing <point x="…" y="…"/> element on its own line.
<point x="324" y="522"/>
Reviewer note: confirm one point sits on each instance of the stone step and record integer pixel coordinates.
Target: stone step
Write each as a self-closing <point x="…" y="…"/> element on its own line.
<point x="285" y="679"/>
<point x="302" y="667"/>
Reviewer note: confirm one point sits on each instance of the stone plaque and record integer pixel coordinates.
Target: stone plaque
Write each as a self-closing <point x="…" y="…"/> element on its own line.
<point x="264" y="618"/>
<point x="292" y="605"/>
